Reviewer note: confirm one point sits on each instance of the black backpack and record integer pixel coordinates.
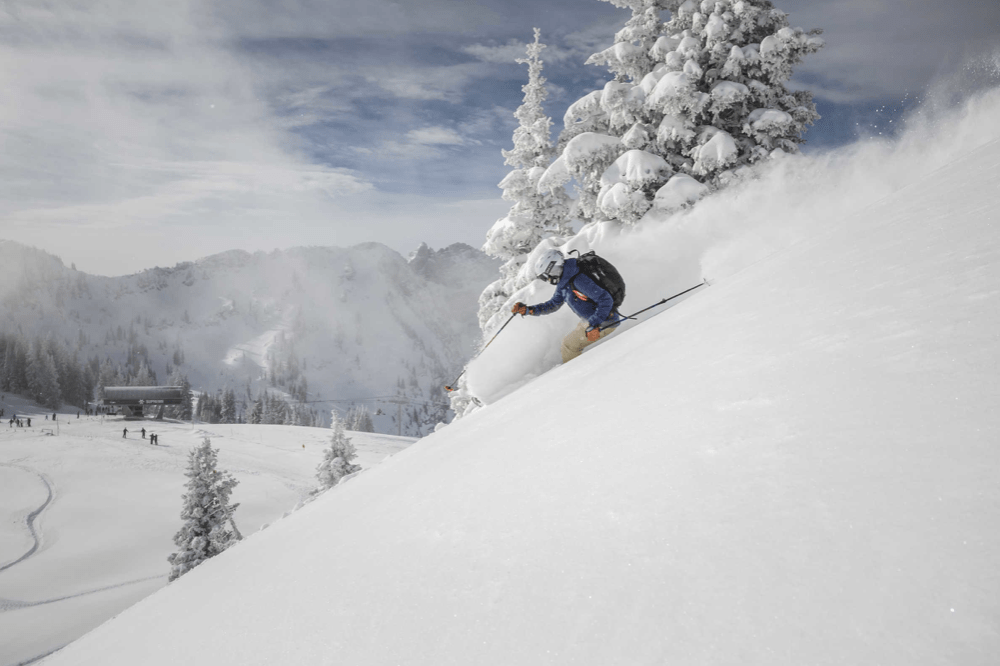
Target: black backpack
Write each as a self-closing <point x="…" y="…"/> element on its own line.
<point x="604" y="274"/>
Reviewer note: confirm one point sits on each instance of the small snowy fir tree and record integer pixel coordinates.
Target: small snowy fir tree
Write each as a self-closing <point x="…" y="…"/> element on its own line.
<point x="693" y="102"/>
<point x="534" y="214"/>
<point x="337" y="458"/>
<point x="208" y="517"/>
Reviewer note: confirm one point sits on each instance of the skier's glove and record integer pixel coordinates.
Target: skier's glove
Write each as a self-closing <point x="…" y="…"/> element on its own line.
<point x="519" y="308"/>
<point x="593" y="334"/>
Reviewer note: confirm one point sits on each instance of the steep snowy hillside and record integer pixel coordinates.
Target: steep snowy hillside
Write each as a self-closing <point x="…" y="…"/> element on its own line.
<point x="798" y="465"/>
<point x="328" y="323"/>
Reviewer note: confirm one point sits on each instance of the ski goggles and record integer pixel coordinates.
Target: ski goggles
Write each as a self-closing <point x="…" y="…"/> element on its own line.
<point x="552" y="273"/>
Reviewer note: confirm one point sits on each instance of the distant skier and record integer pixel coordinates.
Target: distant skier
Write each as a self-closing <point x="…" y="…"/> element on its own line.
<point x="590" y="301"/>
<point x="29" y="422"/>
<point x="125" y="433"/>
<point x="143" y="431"/>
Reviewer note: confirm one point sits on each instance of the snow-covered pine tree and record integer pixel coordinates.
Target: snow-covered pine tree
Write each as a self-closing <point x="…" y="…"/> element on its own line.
<point x="257" y="411"/>
<point x="209" y="527"/>
<point x="534" y="214"/>
<point x="43" y="377"/>
<point x="718" y="96"/>
<point x="143" y="377"/>
<point x="228" y="406"/>
<point x="602" y="125"/>
<point x="183" y="410"/>
<point x="15" y="378"/>
<point x="693" y="100"/>
<point x="337" y="458"/>
<point x="6" y="356"/>
<point x="359" y="419"/>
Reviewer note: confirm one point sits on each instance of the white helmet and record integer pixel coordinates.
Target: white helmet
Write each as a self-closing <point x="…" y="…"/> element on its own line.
<point x="549" y="266"/>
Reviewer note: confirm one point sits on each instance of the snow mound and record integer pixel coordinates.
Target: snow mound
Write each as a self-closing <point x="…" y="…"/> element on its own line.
<point x="679" y="191"/>
<point x="719" y="150"/>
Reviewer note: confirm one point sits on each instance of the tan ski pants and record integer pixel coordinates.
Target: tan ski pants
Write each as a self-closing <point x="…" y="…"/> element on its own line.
<point x="574" y="343"/>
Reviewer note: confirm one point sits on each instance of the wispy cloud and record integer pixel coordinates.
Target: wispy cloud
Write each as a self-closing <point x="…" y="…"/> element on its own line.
<point x="435" y="135"/>
<point x="510" y="52"/>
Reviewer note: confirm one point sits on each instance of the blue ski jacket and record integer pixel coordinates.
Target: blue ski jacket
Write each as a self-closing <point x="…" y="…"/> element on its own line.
<point x="587" y="299"/>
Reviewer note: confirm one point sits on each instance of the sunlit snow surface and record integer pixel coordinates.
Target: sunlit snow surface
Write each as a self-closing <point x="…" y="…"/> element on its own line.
<point x="797" y="465"/>
<point x="87" y="517"/>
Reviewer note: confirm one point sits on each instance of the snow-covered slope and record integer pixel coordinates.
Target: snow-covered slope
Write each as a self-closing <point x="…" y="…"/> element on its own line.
<point x="355" y="323"/>
<point x="87" y="517"/>
<point x="797" y="465"/>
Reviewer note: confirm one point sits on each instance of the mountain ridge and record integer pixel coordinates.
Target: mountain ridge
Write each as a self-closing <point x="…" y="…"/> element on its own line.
<point x="353" y="322"/>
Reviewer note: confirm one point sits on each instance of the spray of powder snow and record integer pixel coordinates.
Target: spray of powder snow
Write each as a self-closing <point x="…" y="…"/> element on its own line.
<point x="789" y="201"/>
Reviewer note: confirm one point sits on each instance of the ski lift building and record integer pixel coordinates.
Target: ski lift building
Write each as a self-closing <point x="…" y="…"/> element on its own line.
<point x="132" y="400"/>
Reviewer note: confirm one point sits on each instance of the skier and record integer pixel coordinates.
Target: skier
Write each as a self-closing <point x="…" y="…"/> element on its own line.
<point x="593" y="304"/>
<point x="124" y="433"/>
<point x="143" y="433"/>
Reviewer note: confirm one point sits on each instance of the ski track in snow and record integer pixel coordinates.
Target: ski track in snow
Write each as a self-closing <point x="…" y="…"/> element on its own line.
<point x="30" y="520"/>
<point x="11" y="604"/>
<point x="34" y="660"/>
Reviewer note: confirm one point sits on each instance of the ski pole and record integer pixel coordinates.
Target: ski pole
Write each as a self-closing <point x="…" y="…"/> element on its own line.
<point x="657" y="304"/>
<point x="451" y="387"/>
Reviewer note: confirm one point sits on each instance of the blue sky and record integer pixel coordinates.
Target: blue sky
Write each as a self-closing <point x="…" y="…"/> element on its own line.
<point x="140" y="133"/>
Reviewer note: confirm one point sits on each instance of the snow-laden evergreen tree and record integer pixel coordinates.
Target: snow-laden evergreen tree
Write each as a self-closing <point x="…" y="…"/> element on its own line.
<point x="15" y="369"/>
<point x="228" y="406"/>
<point x="693" y="101"/>
<point x="209" y="527"/>
<point x="534" y="214"/>
<point x="275" y="411"/>
<point x="257" y="411"/>
<point x="337" y="458"/>
<point x="44" y="370"/>
<point x="359" y="419"/>
<point x="143" y="377"/>
<point x="43" y="377"/>
<point x="183" y="410"/>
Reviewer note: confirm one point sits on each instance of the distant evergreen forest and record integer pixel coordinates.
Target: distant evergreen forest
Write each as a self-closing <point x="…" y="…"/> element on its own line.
<point x="44" y="370"/>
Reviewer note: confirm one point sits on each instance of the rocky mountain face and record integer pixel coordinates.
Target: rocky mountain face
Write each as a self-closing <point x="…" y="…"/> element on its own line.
<point x="335" y="326"/>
